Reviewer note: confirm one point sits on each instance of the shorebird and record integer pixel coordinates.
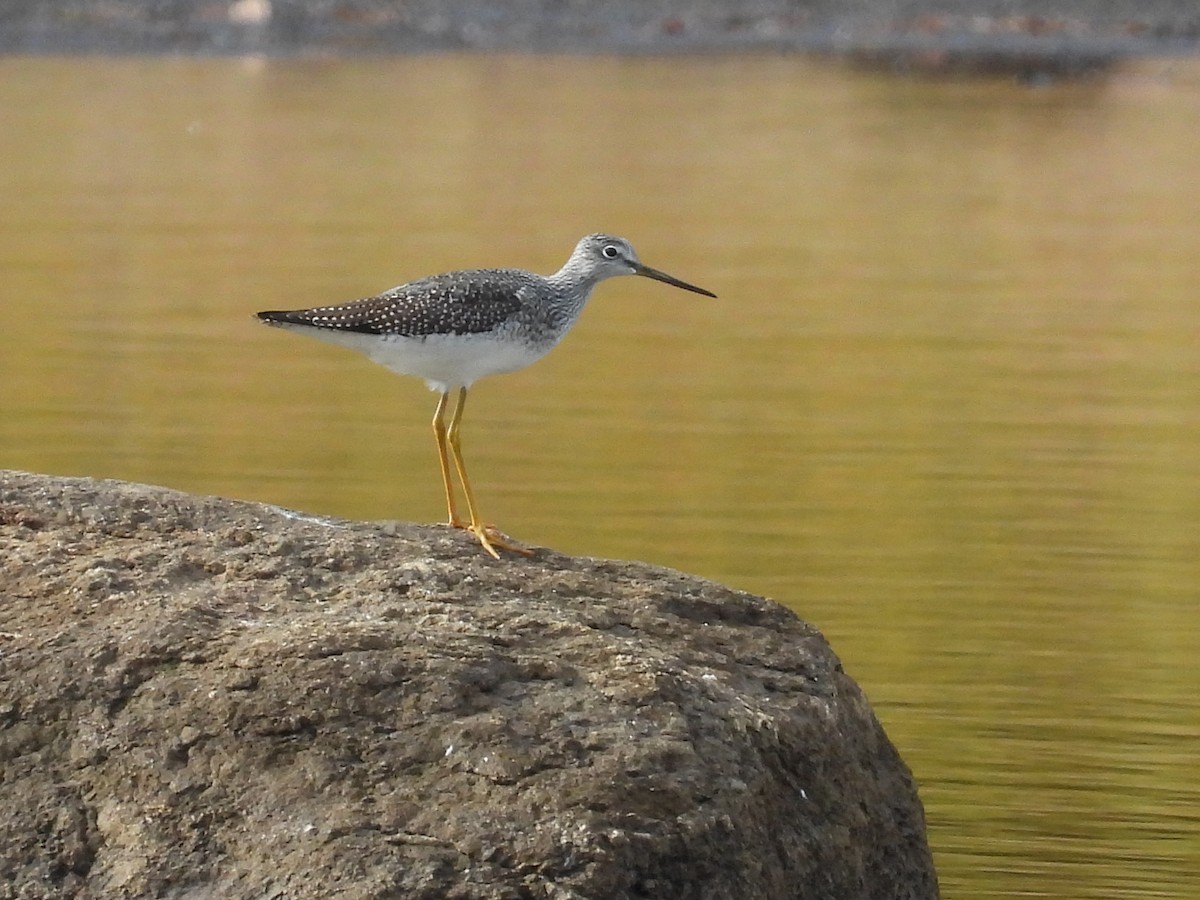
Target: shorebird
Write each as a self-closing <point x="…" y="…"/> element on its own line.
<point x="455" y="328"/>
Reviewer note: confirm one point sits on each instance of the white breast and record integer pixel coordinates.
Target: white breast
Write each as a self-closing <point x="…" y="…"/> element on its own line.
<point x="444" y="361"/>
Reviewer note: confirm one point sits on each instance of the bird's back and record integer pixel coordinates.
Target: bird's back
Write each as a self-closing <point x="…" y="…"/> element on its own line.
<point x="471" y="301"/>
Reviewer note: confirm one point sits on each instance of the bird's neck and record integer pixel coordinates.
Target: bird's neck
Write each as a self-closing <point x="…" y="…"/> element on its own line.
<point x="573" y="286"/>
<point x="574" y="276"/>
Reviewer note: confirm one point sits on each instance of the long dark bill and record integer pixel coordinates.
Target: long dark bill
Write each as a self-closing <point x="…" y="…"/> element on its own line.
<point x="674" y="282"/>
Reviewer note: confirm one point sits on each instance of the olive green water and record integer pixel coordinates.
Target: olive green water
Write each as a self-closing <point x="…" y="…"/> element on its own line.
<point x="947" y="406"/>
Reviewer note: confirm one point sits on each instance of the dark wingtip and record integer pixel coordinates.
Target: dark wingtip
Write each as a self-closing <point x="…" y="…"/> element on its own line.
<point x="271" y="316"/>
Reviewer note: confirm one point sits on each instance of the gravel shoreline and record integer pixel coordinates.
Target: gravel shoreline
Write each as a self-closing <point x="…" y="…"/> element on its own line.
<point x="1068" y="35"/>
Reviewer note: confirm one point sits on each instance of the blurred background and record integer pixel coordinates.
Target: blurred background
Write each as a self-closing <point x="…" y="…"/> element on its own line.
<point x="947" y="407"/>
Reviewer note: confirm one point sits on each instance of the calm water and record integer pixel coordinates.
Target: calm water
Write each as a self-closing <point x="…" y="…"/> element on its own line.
<point x="947" y="407"/>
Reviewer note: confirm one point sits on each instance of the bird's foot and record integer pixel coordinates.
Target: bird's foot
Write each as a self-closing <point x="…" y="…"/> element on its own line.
<point x="493" y="539"/>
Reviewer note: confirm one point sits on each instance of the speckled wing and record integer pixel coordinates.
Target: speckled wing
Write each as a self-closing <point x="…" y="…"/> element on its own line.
<point x="467" y="302"/>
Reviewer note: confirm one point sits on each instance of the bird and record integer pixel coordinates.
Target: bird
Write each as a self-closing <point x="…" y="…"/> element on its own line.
<point x="455" y="328"/>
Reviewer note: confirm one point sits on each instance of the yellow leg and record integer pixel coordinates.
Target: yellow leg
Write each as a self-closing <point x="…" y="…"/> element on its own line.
<point x="439" y="433"/>
<point x="488" y="536"/>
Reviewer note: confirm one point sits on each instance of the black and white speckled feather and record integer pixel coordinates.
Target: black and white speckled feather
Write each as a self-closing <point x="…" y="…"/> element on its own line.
<point x="468" y="302"/>
<point x="454" y="328"/>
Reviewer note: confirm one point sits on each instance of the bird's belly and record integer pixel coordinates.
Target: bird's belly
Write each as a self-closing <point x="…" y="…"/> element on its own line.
<point x="444" y="361"/>
<point x="447" y="361"/>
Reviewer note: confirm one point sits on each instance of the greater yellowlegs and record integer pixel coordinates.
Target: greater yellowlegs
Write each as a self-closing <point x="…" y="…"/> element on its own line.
<point x="453" y="329"/>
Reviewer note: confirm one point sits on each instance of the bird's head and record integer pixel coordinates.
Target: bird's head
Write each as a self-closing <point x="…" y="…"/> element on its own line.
<point x="600" y="256"/>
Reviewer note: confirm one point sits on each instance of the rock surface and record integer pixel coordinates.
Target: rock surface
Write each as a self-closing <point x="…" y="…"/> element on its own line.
<point x="1078" y="32"/>
<point x="202" y="698"/>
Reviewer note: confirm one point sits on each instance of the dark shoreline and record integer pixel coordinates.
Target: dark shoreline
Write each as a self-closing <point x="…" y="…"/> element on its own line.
<point x="1054" y="36"/>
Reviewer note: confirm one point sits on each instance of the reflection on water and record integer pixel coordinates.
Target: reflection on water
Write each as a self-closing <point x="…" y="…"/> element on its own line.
<point x="947" y="407"/>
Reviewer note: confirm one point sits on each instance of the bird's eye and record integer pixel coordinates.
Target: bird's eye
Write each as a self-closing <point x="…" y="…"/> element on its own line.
<point x="610" y="252"/>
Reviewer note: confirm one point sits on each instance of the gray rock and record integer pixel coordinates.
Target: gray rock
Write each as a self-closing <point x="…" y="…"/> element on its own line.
<point x="202" y="698"/>
<point x="1047" y="32"/>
